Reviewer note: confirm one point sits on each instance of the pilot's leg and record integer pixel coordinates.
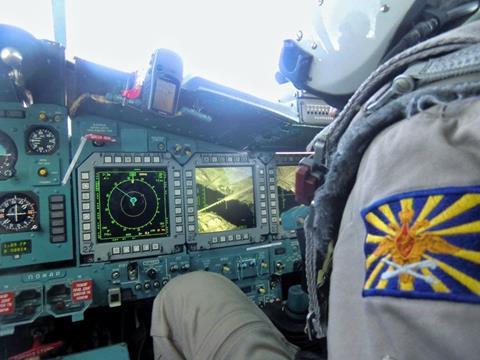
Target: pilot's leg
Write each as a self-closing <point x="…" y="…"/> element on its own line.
<point x="203" y="315"/>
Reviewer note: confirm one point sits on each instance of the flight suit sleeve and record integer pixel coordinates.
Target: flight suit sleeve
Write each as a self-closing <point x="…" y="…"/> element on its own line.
<point x="406" y="267"/>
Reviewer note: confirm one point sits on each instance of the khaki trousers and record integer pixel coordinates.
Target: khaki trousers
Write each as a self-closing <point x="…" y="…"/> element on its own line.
<point x="203" y="315"/>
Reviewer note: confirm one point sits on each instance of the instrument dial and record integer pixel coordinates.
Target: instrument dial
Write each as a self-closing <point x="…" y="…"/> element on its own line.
<point x="8" y="156"/>
<point x="18" y="212"/>
<point x="42" y="140"/>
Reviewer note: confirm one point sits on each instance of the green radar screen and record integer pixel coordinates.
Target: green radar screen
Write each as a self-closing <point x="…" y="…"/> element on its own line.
<point x="225" y="199"/>
<point x="131" y="204"/>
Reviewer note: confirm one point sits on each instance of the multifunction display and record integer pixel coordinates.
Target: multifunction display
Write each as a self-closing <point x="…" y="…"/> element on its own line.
<point x="286" y="187"/>
<point x="225" y="199"/>
<point x="286" y="215"/>
<point x="131" y="203"/>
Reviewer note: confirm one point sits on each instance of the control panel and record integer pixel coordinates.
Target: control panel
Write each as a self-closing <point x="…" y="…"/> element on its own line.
<point x="34" y="150"/>
<point x="143" y="217"/>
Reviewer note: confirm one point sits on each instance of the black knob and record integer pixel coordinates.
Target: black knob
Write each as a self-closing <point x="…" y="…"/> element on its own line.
<point x="152" y="273"/>
<point x="59" y="305"/>
<point x="29" y="310"/>
<point x="185" y="267"/>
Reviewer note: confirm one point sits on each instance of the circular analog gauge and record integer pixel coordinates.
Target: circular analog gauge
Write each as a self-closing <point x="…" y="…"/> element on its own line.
<point x="133" y="204"/>
<point x="18" y="212"/>
<point x="42" y="140"/>
<point x="8" y="156"/>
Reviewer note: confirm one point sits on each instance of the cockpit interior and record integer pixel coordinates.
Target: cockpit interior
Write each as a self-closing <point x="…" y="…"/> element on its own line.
<point x="113" y="183"/>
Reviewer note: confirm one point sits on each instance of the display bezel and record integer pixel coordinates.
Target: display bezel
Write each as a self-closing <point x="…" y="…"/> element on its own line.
<point x="202" y="241"/>
<point x="131" y="248"/>
<point x="280" y="159"/>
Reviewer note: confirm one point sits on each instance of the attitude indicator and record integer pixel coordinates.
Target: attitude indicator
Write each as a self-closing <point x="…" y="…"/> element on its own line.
<point x="18" y="212"/>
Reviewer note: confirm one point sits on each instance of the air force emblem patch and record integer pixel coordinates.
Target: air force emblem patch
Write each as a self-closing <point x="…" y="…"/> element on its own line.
<point x="424" y="244"/>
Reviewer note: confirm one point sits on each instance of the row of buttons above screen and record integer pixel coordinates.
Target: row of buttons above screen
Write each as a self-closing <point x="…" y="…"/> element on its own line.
<point x="135" y="159"/>
<point x="209" y="158"/>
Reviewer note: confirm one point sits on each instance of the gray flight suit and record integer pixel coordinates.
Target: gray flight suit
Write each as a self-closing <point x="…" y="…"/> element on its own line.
<point x="436" y="149"/>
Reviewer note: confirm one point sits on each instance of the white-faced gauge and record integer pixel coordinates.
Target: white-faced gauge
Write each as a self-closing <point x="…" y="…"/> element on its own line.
<point x="18" y="212"/>
<point x="42" y="140"/>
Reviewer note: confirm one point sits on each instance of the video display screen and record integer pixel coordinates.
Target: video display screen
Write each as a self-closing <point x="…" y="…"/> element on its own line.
<point x="225" y="199"/>
<point x="286" y="188"/>
<point x="131" y="204"/>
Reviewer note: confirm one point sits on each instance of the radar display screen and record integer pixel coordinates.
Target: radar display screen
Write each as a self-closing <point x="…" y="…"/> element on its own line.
<point x="131" y="204"/>
<point x="225" y="199"/>
<point x="286" y="188"/>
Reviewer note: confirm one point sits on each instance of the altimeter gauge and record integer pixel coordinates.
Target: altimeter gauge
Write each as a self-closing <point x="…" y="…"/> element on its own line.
<point x="42" y="140"/>
<point x="18" y="212"/>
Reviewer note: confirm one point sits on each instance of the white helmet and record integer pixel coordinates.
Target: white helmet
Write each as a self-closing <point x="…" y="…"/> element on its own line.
<point x="349" y="40"/>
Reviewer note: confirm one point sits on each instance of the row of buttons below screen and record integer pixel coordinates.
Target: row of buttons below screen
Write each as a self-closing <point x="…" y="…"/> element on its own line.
<point x="135" y="249"/>
<point x="225" y="238"/>
<point x="86" y="236"/>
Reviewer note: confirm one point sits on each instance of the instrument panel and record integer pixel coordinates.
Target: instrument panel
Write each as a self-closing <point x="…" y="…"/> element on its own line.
<point x="34" y="226"/>
<point x="141" y="217"/>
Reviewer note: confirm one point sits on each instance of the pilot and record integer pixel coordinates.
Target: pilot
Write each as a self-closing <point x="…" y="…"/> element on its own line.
<point x="398" y="197"/>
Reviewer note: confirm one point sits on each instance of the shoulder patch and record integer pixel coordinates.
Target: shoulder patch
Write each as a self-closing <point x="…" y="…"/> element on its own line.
<point x="424" y="244"/>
